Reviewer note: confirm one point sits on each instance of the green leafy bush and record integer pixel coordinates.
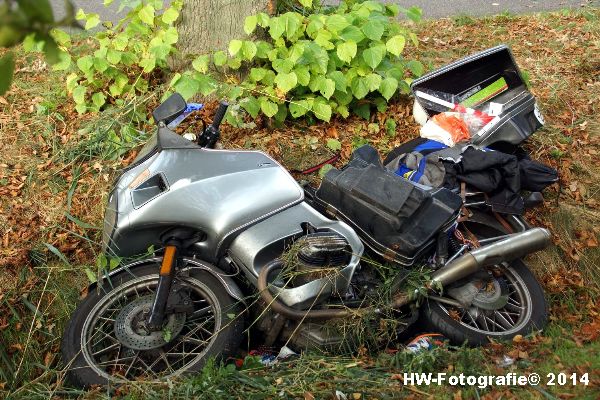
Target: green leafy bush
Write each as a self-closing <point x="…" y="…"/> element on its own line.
<point x="317" y="64"/>
<point x="312" y="63"/>
<point x="125" y="58"/>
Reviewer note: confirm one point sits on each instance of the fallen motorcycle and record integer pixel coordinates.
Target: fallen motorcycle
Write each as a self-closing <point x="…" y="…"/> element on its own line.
<point x="223" y="223"/>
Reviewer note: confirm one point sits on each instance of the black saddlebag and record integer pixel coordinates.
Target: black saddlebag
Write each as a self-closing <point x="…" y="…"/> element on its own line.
<point x="397" y="218"/>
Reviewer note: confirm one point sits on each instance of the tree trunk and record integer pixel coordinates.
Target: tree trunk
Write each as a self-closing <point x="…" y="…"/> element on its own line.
<point x="208" y="25"/>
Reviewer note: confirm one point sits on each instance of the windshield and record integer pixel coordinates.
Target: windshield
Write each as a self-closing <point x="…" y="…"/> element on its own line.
<point x="150" y="146"/>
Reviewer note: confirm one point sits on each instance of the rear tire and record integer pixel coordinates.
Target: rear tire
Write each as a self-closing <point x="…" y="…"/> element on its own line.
<point x="438" y="317"/>
<point x="83" y="352"/>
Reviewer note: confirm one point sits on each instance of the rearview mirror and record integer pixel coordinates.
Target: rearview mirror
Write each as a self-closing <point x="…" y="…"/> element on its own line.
<point x="170" y="109"/>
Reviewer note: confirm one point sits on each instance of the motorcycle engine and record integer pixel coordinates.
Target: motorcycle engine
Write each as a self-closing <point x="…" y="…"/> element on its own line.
<point x="319" y="255"/>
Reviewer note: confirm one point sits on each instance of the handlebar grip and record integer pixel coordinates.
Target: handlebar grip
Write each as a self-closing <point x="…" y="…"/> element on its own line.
<point x="220" y="114"/>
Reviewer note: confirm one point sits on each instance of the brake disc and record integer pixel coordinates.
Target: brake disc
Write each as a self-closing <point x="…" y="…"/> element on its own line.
<point x="131" y="331"/>
<point x="493" y="296"/>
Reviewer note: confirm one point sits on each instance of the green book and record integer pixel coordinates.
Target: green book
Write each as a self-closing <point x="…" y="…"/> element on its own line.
<point x="486" y="93"/>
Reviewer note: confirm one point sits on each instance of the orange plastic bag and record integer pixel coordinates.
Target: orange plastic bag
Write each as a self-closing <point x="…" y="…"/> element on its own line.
<point x="456" y="127"/>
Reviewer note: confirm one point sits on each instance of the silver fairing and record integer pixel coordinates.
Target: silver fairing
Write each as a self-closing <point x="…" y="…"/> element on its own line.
<point x="217" y="192"/>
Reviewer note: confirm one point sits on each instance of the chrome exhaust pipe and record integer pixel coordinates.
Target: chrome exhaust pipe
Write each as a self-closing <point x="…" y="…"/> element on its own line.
<point x="512" y="247"/>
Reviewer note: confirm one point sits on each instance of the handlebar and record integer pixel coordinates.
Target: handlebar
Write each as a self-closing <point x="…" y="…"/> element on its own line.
<point x="220" y="114"/>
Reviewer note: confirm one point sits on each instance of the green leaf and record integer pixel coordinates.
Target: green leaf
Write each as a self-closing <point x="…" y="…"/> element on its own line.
<point x="343" y="111"/>
<point x="292" y="23"/>
<point x="321" y="109"/>
<point x="395" y="45"/>
<point x="322" y="40"/>
<point x="303" y="75"/>
<point x="31" y="44"/>
<point x="98" y="99"/>
<point x="113" y="56"/>
<point x="170" y="15"/>
<point x="92" y="21"/>
<point x="51" y="50"/>
<point x="359" y="87"/>
<point x="306" y="3"/>
<point x="220" y="58"/>
<point x="362" y="110"/>
<point x="268" y="107"/>
<point x="415" y="67"/>
<point x="120" y="82"/>
<point x="373" y="81"/>
<point x="171" y="36"/>
<point x="256" y="74"/>
<point x="263" y="19"/>
<point x="346" y="51"/>
<point x="64" y="61"/>
<point x="396" y="72"/>
<point x="79" y="94"/>
<point x="100" y="64"/>
<point x="414" y="13"/>
<point x="373" y="29"/>
<point x="120" y="41"/>
<point x="282" y="113"/>
<point x="315" y="25"/>
<point x="392" y="10"/>
<point x="251" y="105"/>
<point x="200" y="64"/>
<point x="373" y="55"/>
<point x="88" y="272"/>
<point x="206" y="84"/>
<point x="187" y="86"/>
<point x="71" y="81"/>
<point x="7" y="67"/>
<point x="352" y="33"/>
<point x="388" y="88"/>
<point x="148" y="64"/>
<point x="336" y="23"/>
<point x="286" y="82"/>
<point x="235" y="46"/>
<point x="334" y="144"/>
<point x="146" y="14"/>
<point x="299" y="108"/>
<point x="250" y="24"/>
<point x="326" y="87"/>
<point x="234" y="63"/>
<point x="85" y="64"/>
<point x="276" y="28"/>
<point x="61" y="37"/>
<point x="339" y="79"/>
<point x="283" y="65"/>
<point x="248" y="50"/>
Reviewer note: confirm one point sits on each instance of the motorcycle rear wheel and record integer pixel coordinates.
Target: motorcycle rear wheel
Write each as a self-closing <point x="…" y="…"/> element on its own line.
<point x="525" y="311"/>
<point x="105" y="342"/>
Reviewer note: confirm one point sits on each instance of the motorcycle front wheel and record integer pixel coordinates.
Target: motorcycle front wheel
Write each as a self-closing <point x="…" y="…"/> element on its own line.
<point x="106" y="341"/>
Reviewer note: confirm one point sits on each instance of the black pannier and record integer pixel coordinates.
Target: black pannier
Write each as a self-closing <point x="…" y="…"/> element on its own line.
<point x="397" y="218"/>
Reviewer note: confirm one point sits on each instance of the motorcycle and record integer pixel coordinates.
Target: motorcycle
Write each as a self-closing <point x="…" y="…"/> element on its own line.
<point x="221" y="225"/>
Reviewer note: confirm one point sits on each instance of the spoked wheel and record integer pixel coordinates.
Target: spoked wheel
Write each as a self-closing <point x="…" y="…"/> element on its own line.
<point x="107" y="339"/>
<point x="509" y="301"/>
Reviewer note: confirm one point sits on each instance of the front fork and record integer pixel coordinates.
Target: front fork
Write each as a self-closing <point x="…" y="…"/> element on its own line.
<point x="165" y="281"/>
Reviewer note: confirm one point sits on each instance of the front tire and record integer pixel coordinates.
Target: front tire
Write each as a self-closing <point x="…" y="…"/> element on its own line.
<point x="103" y="342"/>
